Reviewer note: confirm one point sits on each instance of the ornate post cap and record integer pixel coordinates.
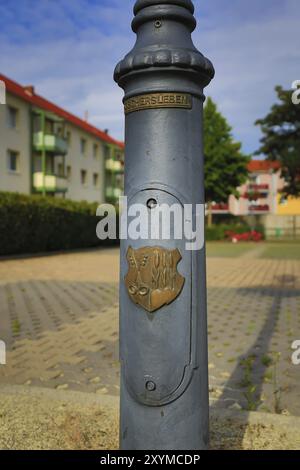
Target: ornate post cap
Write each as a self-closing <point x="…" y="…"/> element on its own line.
<point x="164" y="42"/>
<point x="146" y="3"/>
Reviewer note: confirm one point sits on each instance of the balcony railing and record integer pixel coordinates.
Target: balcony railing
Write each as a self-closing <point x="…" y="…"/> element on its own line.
<point x="52" y="143"/>
<point x="259" y="187"/>
<point x="220" y="207"/>
<point x="49" y="183"/>
<point x="259" y="208"/>
<point x="114" y="165"/>
<point x="113" y="193"/>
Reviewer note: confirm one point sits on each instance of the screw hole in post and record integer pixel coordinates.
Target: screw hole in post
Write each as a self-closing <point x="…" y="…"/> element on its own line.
<point x="158" y="24"/>
<point x="151" y="204"/>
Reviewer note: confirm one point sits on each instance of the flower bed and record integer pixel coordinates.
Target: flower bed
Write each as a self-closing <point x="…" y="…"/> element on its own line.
<point x="250" y="236"/>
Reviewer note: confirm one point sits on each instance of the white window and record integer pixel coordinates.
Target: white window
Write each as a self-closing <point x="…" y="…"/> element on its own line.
<point x="83" y="177"/>
<point x="13" y="161"/>
<point x="69" y="173"/>
<point x="61" y="169"/>
<point x="107" y="152"/>
<point x="82" y="146"/>
<point x="283" y="201"/>
<point x="96" y="180"/>
<point x="12" y="117"/>
<point x="2" y="92"/>
<point x="69" y="137"/>
<point x="95" y="151"/>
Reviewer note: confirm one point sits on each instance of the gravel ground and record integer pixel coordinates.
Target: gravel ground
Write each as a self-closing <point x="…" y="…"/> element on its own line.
<point x="41" y="419"/>
<point x="35" y="418"/>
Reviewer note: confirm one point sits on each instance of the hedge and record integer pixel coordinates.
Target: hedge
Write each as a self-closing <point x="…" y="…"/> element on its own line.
<point x="32" y="224"/>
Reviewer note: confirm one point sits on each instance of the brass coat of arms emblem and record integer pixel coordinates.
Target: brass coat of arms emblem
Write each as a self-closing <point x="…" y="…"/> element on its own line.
<point x="152" y="280"/>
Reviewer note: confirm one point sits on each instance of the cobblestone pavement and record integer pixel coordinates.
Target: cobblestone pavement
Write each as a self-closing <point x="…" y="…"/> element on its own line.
<point x="59" y="319"/>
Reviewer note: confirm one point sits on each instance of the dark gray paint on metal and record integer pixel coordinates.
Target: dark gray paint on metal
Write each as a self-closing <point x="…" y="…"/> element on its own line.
<point x="164" y="376"/>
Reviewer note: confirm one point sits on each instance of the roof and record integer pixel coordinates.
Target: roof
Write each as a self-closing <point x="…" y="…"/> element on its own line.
<point x="27" y="94"/>
<point x="263" y="165"/>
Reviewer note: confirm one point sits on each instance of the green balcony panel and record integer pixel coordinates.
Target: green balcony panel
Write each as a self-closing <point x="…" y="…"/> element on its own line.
<point x="52" y="143"/>
<point x="51" y="183"/>
<point x="114" y="166"/>
<point x="113" y="193"/>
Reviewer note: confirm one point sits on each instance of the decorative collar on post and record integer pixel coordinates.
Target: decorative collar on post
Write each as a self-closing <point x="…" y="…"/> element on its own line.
<point x="164" y="42"/>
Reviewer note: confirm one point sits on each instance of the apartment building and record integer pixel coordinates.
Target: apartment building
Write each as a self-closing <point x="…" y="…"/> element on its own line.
<point x="261" y="194"/>
<point x="44" y="149"/>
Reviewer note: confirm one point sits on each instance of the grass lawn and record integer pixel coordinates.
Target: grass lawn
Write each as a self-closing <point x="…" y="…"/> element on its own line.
<point x="228" y="249"/>
<point x="281" y="250"/>
<point x="271" y="250"/>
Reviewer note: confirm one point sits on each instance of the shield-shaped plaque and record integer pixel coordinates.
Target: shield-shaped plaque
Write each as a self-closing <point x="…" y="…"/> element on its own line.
<point x="153" y="280"/>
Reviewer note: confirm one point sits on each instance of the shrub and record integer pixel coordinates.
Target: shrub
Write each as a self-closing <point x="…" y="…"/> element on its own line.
<point x="31" y="224"/>
<point x="240" y="231"/>
<point x="252" y="236"/>
<point x="214" y="233"/>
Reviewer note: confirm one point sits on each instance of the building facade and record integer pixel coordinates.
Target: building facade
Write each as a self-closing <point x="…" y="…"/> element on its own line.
<point x="261" y="194"/>
<point x="261" y="202"/>
<point x="47" y="150"/>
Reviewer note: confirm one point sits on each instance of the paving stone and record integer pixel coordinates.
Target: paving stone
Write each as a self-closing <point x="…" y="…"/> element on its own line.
<point x="59" y="319"/>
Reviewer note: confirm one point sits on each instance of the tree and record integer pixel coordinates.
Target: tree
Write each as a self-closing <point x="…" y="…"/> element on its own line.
<point x="225" y="166"/>
<point x="281" y="139"/>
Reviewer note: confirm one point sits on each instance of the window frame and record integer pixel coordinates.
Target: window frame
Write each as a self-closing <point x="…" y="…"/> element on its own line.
<point x="11" y="153"/>
<point x="96" y="151"/>
<point x="83" y="177"/>
<point x="69" y="173"/>
<point x="96" y="180"/>
<point x="8" y="117"/>
<point x="83" y="146"/>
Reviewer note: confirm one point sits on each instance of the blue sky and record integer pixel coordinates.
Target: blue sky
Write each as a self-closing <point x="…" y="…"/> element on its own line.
<point x="68" y="50"/>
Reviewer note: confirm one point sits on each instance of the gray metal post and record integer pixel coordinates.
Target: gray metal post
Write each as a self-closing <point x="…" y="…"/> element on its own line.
<point x="163" y="326"/>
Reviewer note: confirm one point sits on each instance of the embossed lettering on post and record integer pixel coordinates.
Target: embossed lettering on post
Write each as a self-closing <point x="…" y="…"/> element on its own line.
<point x="158" y="100"/>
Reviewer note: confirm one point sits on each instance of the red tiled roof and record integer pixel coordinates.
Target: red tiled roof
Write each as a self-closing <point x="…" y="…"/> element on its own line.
<point x="27" y="94"/>
<point x="263" y="165"/>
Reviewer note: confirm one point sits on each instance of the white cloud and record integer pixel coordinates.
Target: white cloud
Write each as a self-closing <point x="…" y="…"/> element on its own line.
<point x="70" y="52"/>
<point x="250" y="59"/>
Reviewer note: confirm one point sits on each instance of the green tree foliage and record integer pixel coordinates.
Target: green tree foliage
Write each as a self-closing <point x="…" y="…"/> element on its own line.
<point x="281" y="139"/>
<point x="225" y="165"/>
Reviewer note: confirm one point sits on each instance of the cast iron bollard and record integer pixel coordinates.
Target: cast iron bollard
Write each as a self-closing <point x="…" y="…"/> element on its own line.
<point x="163" y="325"/>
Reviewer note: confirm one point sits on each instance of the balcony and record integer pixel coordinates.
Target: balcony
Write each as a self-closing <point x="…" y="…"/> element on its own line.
<point x="53" y="143"/>
<point x="256" y="191"/>
<point x="259" y="187"/>
<point x="114" y="165"/>
<point x="49" y="183"/>
<point x="113" y="193"/>
<point x="220" y="208"/>
<point x="258" y="209"/>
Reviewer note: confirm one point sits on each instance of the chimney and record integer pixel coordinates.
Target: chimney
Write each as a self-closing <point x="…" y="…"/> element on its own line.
<point x="29" y="89"/>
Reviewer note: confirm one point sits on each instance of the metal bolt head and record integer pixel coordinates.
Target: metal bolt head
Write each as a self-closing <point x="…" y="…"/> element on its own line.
<point x="158" y="24"/>
<point x="150" y="386"/>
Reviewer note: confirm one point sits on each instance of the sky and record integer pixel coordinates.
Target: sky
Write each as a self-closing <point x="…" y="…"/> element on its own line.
<point x="68" y="50"/>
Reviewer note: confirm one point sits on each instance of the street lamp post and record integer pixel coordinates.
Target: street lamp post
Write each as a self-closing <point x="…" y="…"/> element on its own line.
<point x="163" y="325"/>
